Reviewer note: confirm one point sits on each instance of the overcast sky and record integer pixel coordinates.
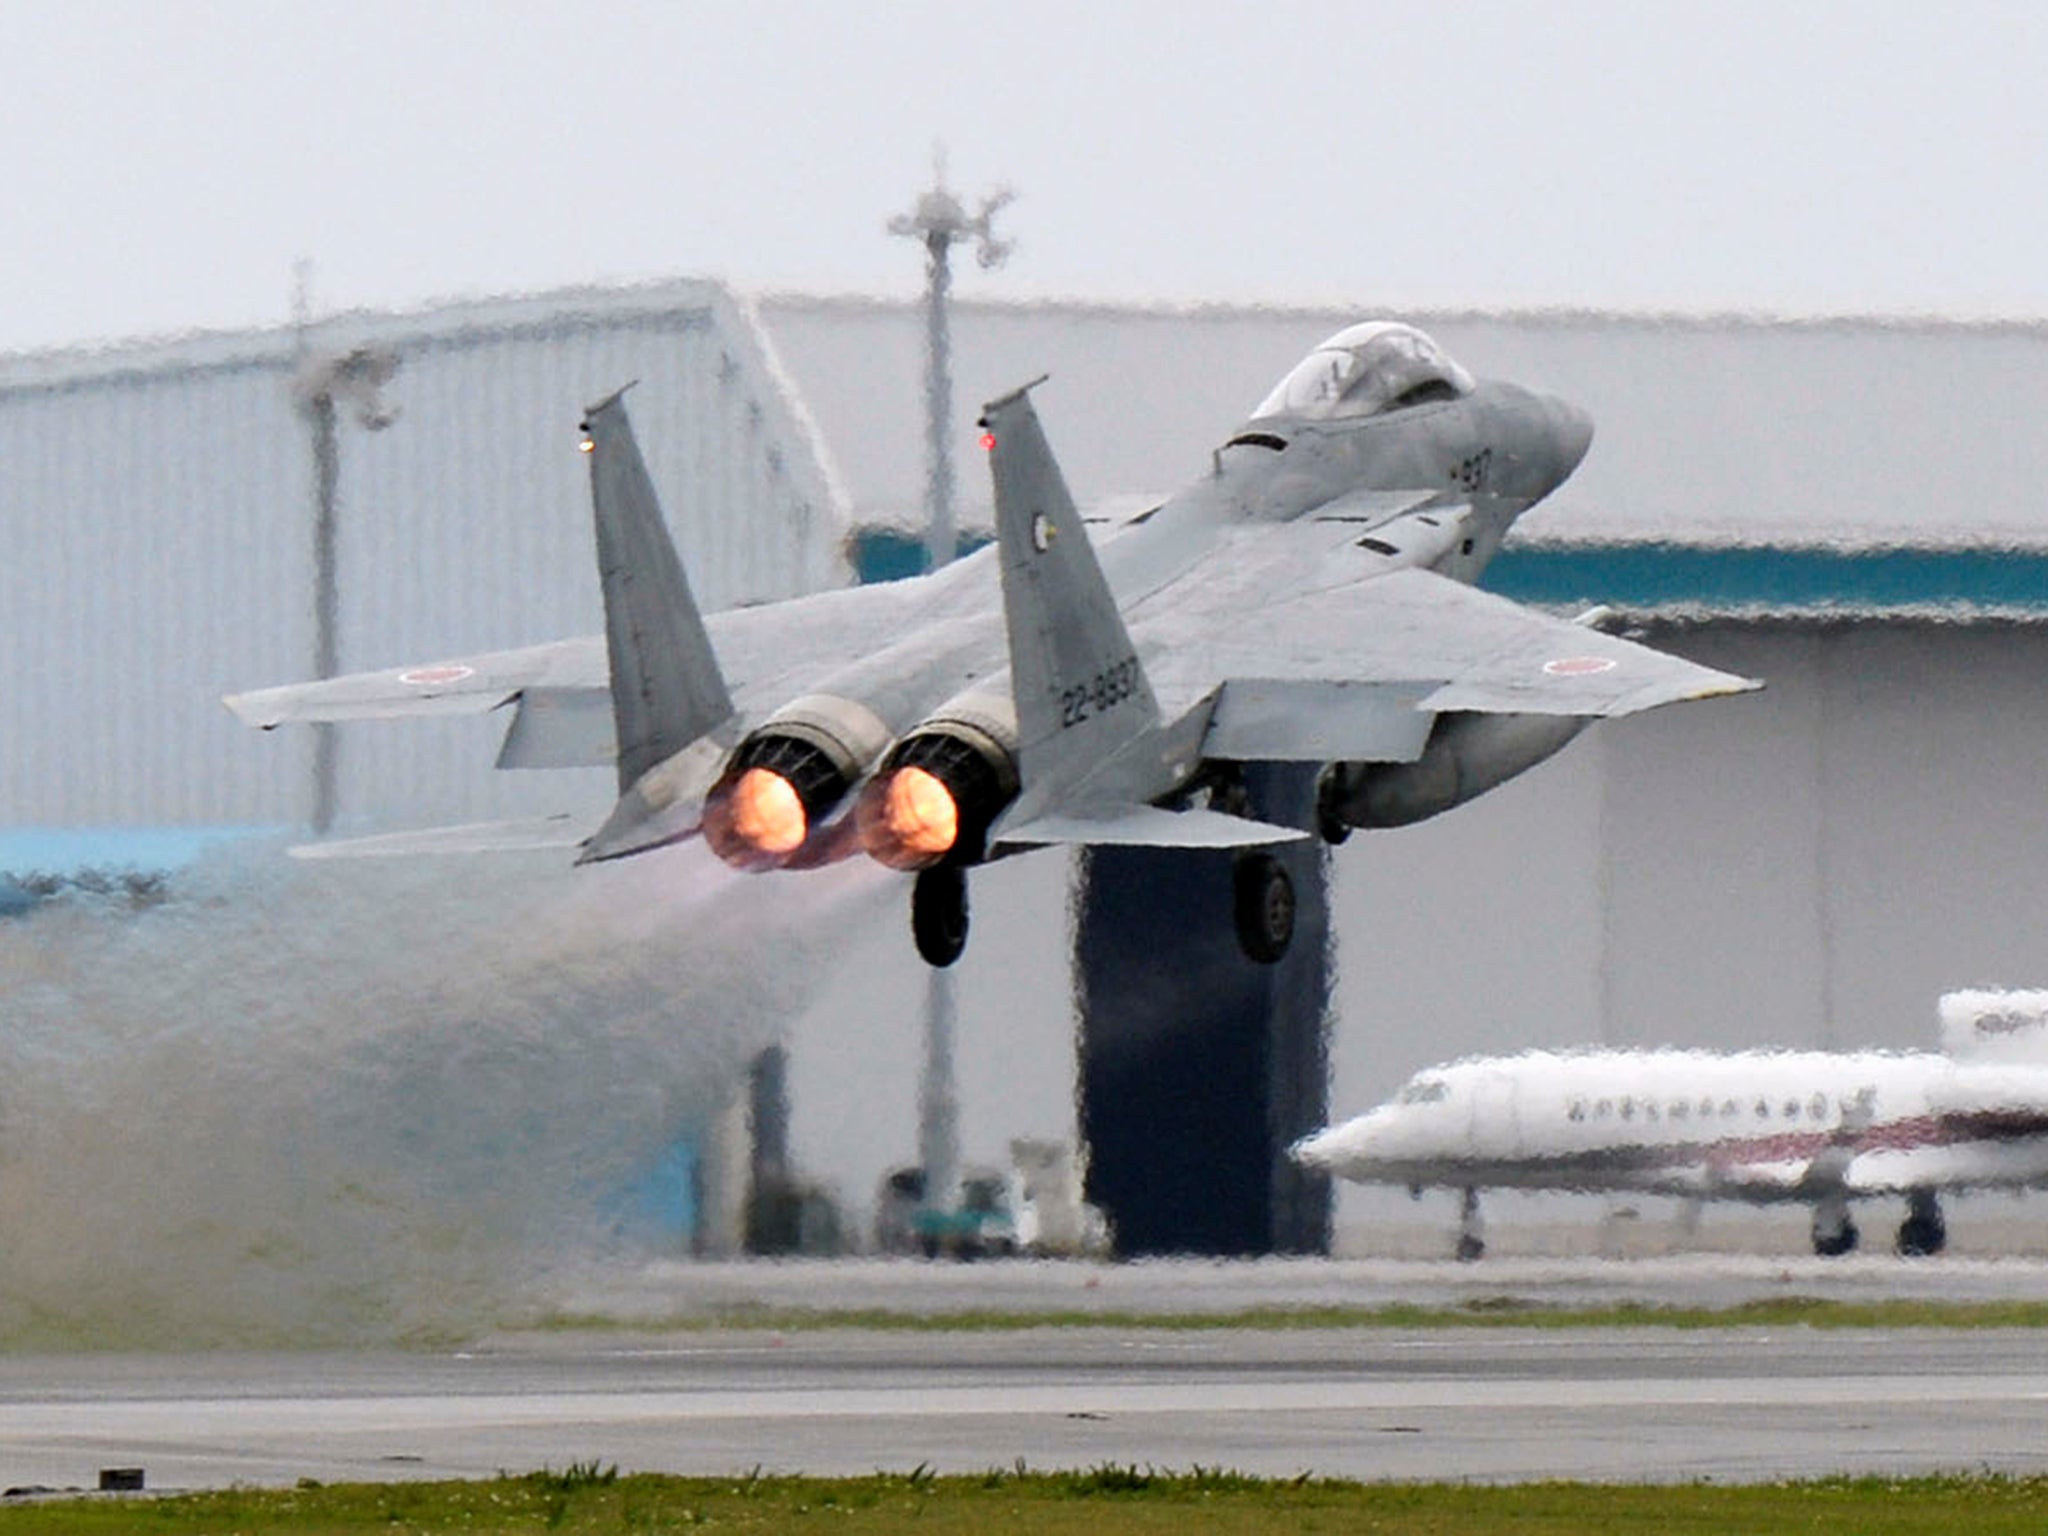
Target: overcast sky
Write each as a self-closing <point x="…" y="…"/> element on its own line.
<point x="166" y="163"/>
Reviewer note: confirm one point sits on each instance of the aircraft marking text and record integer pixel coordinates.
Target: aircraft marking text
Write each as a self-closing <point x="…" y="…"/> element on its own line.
<point x="1106" y="690"/>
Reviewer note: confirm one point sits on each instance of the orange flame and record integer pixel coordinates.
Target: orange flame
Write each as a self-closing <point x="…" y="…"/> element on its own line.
<point x="767" y="814"/>
<point x="918" y="824"/>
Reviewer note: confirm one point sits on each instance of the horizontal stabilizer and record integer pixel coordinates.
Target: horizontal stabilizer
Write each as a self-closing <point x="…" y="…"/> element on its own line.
<point x="663" y="806"/>
<point x="1147" y="826"/>
<point x="561" y="728"/>
<point x="473" y="837"/>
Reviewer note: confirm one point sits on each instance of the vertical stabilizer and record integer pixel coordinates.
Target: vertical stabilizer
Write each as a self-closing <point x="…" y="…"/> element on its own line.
<point x="1080" y="693"/>
<point x="667" y="690"/>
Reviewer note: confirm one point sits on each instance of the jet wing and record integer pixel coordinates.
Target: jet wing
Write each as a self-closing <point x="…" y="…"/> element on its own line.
<point x="1317" y="647"/>
<point x="462" y="685"/>
<point x="563" y="688"/>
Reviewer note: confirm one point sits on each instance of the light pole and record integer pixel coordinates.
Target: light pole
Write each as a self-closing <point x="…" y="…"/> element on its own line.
<point x="320" y="384"/>
<point x="939" y="223"/>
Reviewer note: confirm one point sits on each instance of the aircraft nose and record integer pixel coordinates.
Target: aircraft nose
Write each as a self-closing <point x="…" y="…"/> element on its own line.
<point x="1574" y="430"/>
<point x="1346" y="1148"/>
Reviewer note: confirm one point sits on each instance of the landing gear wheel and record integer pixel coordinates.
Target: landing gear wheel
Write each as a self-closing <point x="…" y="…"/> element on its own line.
<point x="1471" y="1250"/>
<point x="1923" y="1233"/>
<point x="1331" y="827"/>
<point x="1264" y="894"/>
<point x="938" y="915"/>
<point x="1832" y="1245"/>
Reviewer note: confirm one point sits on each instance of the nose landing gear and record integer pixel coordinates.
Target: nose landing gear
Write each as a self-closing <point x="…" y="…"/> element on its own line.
<point x="1471" y="1231"/>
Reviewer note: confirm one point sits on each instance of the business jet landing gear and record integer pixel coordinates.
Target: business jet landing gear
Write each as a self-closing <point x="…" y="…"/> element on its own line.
<point x="1471" y="1230"/>
<point x="938" y="914"/>
<point x="1923" y="1233"/>
<point x="1263" y="893"/>
<point x="1834" y="1231"/>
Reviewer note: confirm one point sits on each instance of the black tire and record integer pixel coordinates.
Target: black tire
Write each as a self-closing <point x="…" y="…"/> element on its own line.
<point x="938" y="915"/>
<point x="1841" y="1242"/>
<point x="1471" y="1250"/>
<point x="1923" y="1233"/>
<point x="1264" y="896"/>
<point x="1331" y="827"/>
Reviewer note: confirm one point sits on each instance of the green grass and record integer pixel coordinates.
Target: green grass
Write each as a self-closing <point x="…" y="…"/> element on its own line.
<point x="1487" y="1312"/>
<point x="1109" y="1499"/>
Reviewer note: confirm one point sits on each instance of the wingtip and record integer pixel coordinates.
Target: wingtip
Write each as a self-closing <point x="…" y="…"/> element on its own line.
<point x="247" y="708"/>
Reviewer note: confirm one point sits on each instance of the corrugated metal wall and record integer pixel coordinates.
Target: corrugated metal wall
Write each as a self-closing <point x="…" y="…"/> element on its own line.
<point x="156" y="511"/>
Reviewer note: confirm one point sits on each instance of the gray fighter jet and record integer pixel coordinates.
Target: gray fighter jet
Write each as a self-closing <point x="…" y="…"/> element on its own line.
<point x="1305" y="601"/>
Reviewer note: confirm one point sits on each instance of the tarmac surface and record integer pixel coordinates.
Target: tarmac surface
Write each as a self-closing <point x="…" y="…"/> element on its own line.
<point x="1494" y="1405"/>
<point x="1650" y="1405"/>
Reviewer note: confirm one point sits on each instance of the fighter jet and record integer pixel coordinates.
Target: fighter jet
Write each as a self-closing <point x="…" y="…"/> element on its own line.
<point x="1305" y="600"/>
<point x="1765" y="1127"/>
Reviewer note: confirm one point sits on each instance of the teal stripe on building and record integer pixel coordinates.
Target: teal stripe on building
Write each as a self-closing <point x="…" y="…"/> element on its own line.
<point x="1774" y="579"/>
<point x="1704" y="578"/>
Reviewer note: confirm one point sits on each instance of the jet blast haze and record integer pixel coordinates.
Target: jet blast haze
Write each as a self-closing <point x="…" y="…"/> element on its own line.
<point x="1306" y="600"/>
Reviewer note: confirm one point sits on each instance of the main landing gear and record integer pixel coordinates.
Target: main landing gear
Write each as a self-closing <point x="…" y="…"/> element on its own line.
<point x="1262" y="893"/>
<point x="1923" y="1233"/>
<point x="1834" y="1230"/>
<point x="938" y="914"/>
<point x="1261" y="890"/>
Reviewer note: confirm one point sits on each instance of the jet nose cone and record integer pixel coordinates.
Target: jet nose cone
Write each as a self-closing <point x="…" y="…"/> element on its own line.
<point x="1574" y="434"/>
<point x="1349" y="1149"/>
<point x="1315" y="1151"/>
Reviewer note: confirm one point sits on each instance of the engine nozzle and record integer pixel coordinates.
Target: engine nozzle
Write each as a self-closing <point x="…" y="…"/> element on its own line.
<point x="936" y="797"/>
<point x="784" y="781"/>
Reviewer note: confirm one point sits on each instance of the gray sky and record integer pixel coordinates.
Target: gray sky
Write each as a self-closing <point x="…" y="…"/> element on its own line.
<point x="166" y="163"/>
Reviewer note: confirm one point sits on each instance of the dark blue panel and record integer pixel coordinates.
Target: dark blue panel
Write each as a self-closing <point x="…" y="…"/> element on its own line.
<point x="1199" y="1068"/>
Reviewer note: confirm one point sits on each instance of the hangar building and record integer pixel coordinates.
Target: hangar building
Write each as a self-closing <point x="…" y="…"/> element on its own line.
<point x="1850" y="510"/>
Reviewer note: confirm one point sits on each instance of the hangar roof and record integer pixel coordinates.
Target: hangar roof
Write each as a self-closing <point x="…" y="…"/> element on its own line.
<point x="1743" y="464"/>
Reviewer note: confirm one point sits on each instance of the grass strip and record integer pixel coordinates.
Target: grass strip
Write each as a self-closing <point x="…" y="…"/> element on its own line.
<point x="1107" y="1499"/>
<point x="1484" y="1312"/>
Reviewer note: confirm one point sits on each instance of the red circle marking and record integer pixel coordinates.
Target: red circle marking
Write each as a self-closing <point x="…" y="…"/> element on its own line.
<point x="1579" y="666"/>
<point x="429" y="677"/>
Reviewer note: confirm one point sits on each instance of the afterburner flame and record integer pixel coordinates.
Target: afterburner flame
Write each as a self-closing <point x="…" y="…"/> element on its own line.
<point x="919" y="818"/>
<point x="767" y="814"/>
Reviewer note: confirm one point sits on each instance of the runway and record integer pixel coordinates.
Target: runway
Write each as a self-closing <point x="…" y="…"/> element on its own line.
<point x="1495" y="1407"/>
<point x="1490" y="1405"/>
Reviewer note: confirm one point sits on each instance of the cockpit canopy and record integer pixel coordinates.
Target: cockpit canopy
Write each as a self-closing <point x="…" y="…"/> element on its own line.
<point x="1423" y="1089"/>
<point x="1366" y="370"/>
